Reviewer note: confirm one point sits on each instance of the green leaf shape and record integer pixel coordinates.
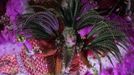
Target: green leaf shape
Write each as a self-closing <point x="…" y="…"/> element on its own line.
<point x="105" y="40"/>
<point x="42" y="22"/>
<point x="89" y="18"/>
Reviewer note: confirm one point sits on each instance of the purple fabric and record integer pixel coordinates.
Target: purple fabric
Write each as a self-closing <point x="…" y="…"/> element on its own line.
<point x="126" y="25"/>
<point x="85" y="31"/>
<point x="7" y="36"/>
<point x="84" y="1"/>
<point x="108" y="71"/>
<point x="8" y="40"/>
<point x="124" y="68"/>
<point x="87" y="5"/>
<point x="88" y="73"/>
<point x="15" y="8"/>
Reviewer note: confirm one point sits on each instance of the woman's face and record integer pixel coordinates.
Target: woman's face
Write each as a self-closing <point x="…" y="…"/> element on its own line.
<point x="70" y="40"/>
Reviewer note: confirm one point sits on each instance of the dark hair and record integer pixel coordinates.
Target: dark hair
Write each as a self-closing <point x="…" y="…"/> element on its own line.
<point x="1" y="27"/>
<point x="3" y="6"/>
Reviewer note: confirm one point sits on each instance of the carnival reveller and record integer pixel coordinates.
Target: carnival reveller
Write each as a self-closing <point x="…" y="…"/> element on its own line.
<point x="63" y="39"/>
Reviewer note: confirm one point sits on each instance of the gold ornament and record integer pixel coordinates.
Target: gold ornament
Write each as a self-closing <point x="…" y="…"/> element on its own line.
<point x="20" y="38"/>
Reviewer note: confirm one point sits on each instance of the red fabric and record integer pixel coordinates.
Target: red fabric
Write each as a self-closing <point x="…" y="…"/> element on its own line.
<point x="90" y="53"/>
<point x="37" y="64"/>
<point x="43" y="44"/>
<point x="42" y="59"/>
<point x="8" y="64"/>
<point x="75" y="64"/>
